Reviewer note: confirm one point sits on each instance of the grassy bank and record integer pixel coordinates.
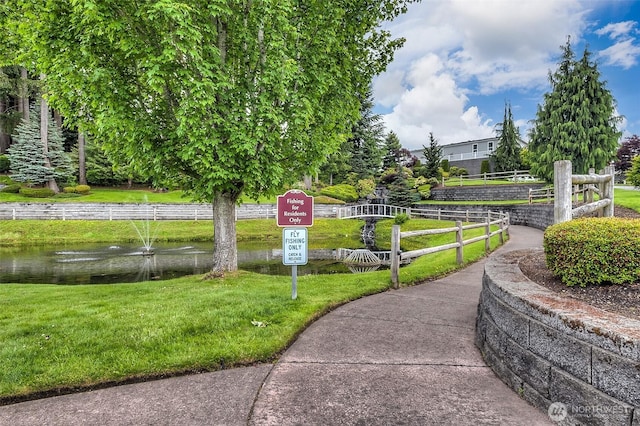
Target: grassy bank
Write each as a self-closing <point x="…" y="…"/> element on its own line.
<point x="55" y="337"/>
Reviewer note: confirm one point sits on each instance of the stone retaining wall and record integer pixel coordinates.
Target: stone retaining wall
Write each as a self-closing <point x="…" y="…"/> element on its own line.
<point x="538" y="216"/>
<point x="484" y="193"/>
<point x="555" y="350"/>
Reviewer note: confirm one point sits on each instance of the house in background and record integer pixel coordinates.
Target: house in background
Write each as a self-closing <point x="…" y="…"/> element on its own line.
<point x="469" y="154"/>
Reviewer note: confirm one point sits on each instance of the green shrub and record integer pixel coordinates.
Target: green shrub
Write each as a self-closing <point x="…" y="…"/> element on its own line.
<point x="12" y="188"/>
<point x="401" y="218"/>
<point x="5" y="164"/>
<point x="445" y="165"/>
<point x="594" y="251"/>
<point x="37" y="192"/>
<point x="424" y="191"/>
<point x="344" y="192"/>
<point x="83" y="189"/>
<point x="6" y="180"/>
<point x="485" y="167"/>
<point x="69" y="190"/>
<point x="323" y="199"/>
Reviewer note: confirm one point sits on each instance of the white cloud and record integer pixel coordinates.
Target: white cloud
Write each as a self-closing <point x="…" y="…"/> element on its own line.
<point x="617" y="30"/>
<point x="459" y="48"/>
<point x="624" y="53"/>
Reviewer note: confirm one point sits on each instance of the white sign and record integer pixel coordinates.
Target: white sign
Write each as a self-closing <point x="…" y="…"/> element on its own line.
<point x="294" y="246"/>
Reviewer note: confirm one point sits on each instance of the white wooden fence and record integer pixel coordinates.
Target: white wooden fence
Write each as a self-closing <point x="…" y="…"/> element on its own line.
<point x="491" y="218"/>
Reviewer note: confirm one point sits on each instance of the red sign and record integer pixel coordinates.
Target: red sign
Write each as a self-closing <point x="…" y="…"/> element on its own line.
<point x="295" y="208"/>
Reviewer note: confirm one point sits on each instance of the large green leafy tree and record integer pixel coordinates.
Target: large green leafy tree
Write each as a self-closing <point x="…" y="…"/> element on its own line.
<point x="576" y="121"/>
<point x="223" y="98"/>
<point x="507" y="154"/>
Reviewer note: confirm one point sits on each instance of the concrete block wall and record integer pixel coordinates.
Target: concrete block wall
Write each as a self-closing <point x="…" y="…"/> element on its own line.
<point x="551" y="349"/>
<point x="484" y="193"/>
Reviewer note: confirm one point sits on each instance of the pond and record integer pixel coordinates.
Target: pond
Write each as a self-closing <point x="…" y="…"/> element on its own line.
<point x="107" y="264"/>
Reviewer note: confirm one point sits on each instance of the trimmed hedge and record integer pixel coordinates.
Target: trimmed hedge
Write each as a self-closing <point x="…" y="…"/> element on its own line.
<point x="344" y="192"/>
<point x="594" y="251"/>
<point x="78" y="189"/>
<point x="37" y="192"/>
<point x="12" y="188"/>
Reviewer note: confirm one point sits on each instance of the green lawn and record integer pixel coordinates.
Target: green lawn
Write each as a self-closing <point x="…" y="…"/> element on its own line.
<point x="60" y="337"/>
<point x="628" y="198"/>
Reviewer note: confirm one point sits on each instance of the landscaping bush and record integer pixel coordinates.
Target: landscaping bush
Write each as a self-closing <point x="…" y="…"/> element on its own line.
<point x="12" y="188"/>
<point x="6" y="180"/>
<point x="78" y="189"/>
<point x="401" y="218"/>
<point x="485" y="167"/>
<point x="594" y="251"/>
<point x="37" y="192"/>
<point x="424" y="191"/>
<point x="5" y="164"/>
<point x="344" y="192"/>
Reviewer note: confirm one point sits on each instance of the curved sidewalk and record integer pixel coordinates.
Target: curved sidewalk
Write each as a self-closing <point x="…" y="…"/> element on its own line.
<point x="401" y="357"/>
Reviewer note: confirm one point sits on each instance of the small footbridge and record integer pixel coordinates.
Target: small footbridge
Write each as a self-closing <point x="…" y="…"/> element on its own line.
<point x="371" y="210"/>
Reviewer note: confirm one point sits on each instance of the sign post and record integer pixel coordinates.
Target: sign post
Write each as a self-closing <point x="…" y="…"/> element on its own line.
<point x="295" y="213"/>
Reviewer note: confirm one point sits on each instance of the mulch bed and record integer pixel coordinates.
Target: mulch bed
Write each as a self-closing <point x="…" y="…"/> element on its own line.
<point x="621" y="299"/>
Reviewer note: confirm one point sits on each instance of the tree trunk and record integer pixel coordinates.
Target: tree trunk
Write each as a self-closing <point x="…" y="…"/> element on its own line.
<point x="225" y="253"/>
<point x="4" y="136"/>
<point x="44" y="139"/>
<point x="82" y="162"/>
<point x="23" y="94"/>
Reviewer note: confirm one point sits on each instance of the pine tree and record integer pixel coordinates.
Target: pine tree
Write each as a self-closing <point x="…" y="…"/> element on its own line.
<point x="27" y="155"/>
<point x="392" y="151"/>
<point x="366" y="141"/>
<point x="576" y="121"/>
<point x="432" y="156"/>
<point x="507" y="155"/>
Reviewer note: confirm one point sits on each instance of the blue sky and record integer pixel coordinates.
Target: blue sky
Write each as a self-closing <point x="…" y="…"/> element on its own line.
<point x="463" y="59"/>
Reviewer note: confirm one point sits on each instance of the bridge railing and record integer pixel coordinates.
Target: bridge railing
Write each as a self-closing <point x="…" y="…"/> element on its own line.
<point x="371" y="210"/>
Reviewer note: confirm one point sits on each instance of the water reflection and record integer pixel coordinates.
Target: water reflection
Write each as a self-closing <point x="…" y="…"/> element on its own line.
<point x="94" y="264"/>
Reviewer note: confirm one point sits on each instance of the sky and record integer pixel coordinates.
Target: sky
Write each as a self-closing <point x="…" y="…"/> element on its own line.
<point x="464" y="59"/>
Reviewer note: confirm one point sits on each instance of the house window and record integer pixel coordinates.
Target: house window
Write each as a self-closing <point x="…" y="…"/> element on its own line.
<point x="490" y="146"/>
<point x="475" y="149"/>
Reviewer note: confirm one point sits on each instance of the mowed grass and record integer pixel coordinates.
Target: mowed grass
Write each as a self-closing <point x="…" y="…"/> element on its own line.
<point x="58" y="338"/>
<point x="628" y="198"/>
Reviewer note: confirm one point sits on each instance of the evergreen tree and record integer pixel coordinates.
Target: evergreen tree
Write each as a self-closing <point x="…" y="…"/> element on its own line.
<point x="400" y="193"/>
<point x="576" y="121"/>
<point x="507" y="155"/>
<point x="633" y="176"/>
<point x="366" y="141"/>
<point x="629" y="148"/>
<point x="392" y="151"/>
<point x="432" y="156"/>
<point x="28" y="158"/>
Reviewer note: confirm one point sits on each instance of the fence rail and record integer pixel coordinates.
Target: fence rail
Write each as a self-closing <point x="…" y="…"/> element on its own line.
<point x="565" y="184"/>
<point x="372" y="210"/>
<point x="490" y="219"/>
<point x="516" y="176"/>
<point x="153" y="212"/>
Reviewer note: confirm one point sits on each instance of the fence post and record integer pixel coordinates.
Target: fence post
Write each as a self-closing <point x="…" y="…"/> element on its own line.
<point x="459" y="239"/>
<point x="608" y="190"/>
<point x="395" y="256"/>
<point x="13" y="214"/>
<point x="562" y="191"/>
<point x="487" y="231"/>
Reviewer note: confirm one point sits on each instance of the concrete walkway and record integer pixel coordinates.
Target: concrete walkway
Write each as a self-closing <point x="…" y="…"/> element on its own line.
<point x="403" y="357"/>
